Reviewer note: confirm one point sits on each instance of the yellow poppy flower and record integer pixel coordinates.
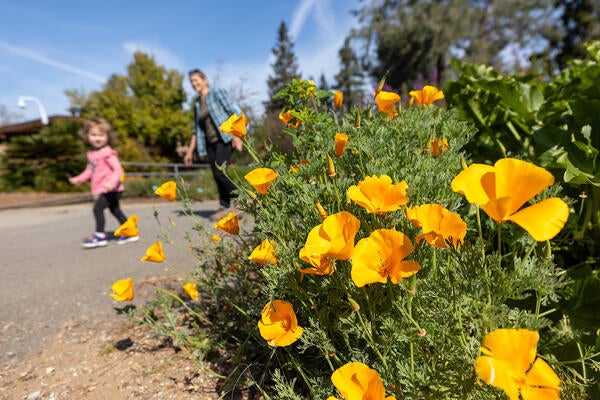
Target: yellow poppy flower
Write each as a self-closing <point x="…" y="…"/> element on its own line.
<point x="501" y="190"/>
<point x="287" y="117"/>
<point x="386" y="101"/>
<point x="356" y="380"/>
<point x="509" y="362"/>
<point x="229" y="224"/>
<point x="191" y="290"/>
<point x="314" y="252"/>
<point x="378" y="195"/>
<point x="264" y="253"/>
<point x="330" y="167"/>
<point x="438" y="146"/>
<point x="341" y="140"/>
<point x="216" y="238"/>
<point x="123" y="290"/>
<point x="338" y="99"/>
<point x="128" y="228"/>
<point x="381" y="256"/>
<point x="438" y="225"/>
<point x="425" y="96"/>
<point x="235" y="125"/>
<point x="334" y="238"/>
<point x="167" y="190"/>
<point x="154" y="253"/>
<point x="278" y="325"/>
<point x="261" y="179"/>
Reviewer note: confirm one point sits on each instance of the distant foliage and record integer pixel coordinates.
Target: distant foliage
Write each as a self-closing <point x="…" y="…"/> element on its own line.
<point x="43" y="162"/>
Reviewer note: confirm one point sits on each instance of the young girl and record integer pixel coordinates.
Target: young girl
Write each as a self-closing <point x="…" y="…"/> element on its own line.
<point x="105" y="171"/>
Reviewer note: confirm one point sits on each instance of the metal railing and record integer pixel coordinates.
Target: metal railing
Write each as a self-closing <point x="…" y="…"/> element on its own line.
<point x="147" y="169"/>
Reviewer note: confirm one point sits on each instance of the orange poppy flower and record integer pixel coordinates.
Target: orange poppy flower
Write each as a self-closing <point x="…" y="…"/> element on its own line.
<point x="341" y="140"/>
<point x="334" y="238"/>
<point x="338" y="99"/>
<point x="386" y="101"/>
<point x="235" y="125"/>
<point x="154" y="253"/>
<point x="287" y="117"/>
<point x="501" y="190"/>
<point x="122" y="290"/>
<point x="264" y="253"/>
<point x="381" y="256"/>
<point x="261" y="179"/>
<point x="438" y="146"/>
<point x="167" y="190"/>
<point x="278" y="325"/>
<point x="191" y="290"/>
<point x="438" y="225"/>
<point x="229" y="223"/>
<point x="425" y="96"/>
<point x="128" y="228"/>
<point x="356" y="380"/>
<point x="377" y="194"/>
<point x="509" y="362"/>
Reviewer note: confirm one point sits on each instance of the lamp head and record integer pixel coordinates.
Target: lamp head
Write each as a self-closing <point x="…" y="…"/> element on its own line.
<point x="21" y="102"/>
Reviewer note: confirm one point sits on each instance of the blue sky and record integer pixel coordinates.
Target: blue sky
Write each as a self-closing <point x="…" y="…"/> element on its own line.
<point x="47" y="47"/>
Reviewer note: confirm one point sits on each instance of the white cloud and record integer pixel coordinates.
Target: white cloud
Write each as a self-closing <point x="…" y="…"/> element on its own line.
<point x="24" y="52"/>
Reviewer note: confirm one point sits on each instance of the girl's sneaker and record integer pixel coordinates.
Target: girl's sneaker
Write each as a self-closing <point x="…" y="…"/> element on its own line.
<point x="127" y="239"/>
<point x="94" y="241"/>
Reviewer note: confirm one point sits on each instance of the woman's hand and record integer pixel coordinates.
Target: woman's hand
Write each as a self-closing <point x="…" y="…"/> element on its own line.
<point x="237" y="143"/>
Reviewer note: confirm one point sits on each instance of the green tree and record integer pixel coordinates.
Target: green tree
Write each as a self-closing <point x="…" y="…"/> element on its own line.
<point x="350" y="77"/>
<point x="415" y="40"/>
<point x="145" y="106"/>
<point x="285" y="68"/>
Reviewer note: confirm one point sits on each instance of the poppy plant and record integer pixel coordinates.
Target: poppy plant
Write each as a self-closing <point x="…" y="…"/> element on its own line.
<point x="386" y="102"/>
<point x="356" y="380"/>
<point x="341" y="140"/>
<point x="264" y="253"/>
<point x="334" y="238"/>
<point x="154" y="253"/>
<point x="261" y="179"/>
<point x="167" y="190"/>
<point x="509" y="362"/>
<point x="191" y="290"/>
<point x="128" y="228"/>
<point x="235" y="125"/>
<point x="377" y="194"/>
<point x="122" y="290"/>
<point x="381" y="256"/>
<point x="229" y="223"/>
<point x="426" y="96"/>
<point x="503" y="189"/>
<point x="278" y="324"/>
<point x="338" y="99"/>
<point x="438" y="225"/>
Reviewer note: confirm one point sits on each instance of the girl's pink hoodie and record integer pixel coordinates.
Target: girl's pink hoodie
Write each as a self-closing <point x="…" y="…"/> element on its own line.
<point x="103" y="168"/>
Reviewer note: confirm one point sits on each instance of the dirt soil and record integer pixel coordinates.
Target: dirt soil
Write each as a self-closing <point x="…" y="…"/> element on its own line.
<point x="102" y="360"/>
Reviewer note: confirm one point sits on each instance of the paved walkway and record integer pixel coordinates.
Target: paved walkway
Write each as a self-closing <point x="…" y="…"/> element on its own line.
<point x="48" y="280"/>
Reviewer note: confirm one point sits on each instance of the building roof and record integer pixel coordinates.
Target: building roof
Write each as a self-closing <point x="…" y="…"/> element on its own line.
<point x="30" y="127"/>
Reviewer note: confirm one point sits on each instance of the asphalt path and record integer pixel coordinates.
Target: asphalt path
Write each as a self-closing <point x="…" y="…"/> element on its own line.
<point x="47" y="280"/>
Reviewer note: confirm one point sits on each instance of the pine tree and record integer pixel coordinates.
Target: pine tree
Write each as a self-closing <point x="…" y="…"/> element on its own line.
<point x="350" y="77"/>
<point x="285" y="68"/>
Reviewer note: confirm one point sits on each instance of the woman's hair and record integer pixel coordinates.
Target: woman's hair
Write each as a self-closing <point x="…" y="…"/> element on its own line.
<point x="100" y="123"/>
<point x="196" y="71"/>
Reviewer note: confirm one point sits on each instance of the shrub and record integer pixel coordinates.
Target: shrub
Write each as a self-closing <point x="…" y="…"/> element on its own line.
<point x="316" y="267"/>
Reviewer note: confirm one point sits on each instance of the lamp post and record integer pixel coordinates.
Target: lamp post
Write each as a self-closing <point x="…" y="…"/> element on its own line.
<point x="43" y="116"/>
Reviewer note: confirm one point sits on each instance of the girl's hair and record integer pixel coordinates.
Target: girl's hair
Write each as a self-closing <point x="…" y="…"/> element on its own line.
<point x="197" y="72"/>
<point x="100" y="123"/>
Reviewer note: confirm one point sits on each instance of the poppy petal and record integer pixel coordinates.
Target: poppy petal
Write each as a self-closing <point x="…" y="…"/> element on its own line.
<point x="469" y="183"/>
<point x="543" y="220"/>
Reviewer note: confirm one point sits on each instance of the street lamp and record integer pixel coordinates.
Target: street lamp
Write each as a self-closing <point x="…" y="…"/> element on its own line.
<point x="43" y="116"/>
